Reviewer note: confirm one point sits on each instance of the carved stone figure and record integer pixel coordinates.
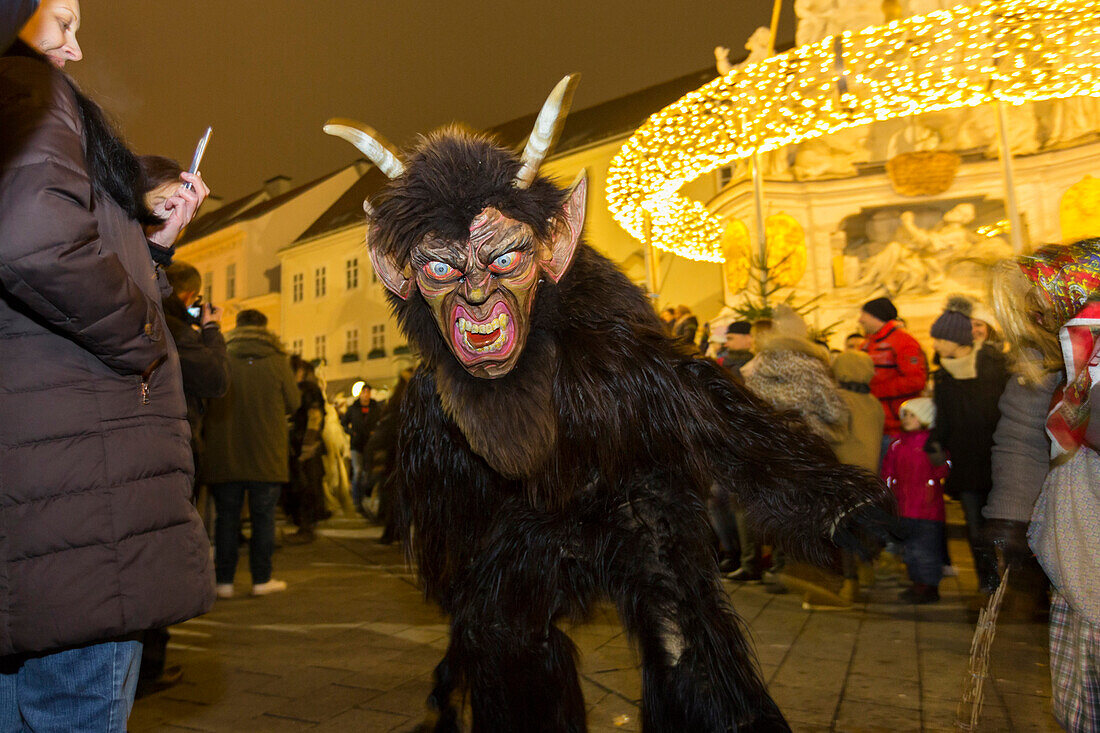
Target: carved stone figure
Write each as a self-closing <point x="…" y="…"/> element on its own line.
<point x="920" y="260"/>
<point x="815" y="20"/>
<point x="1073" y="120"/>
<point x="832" y="156"/>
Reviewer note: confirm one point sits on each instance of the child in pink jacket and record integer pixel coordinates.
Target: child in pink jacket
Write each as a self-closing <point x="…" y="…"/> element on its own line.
<point x="918" y="485"/>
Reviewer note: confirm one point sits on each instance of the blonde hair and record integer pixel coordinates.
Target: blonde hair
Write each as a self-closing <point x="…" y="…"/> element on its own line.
<point x="762" y="330"/>
<point x="1026" y="320"/>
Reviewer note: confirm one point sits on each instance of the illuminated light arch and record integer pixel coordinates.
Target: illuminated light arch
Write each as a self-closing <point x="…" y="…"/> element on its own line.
<point x="1015" y="51"/>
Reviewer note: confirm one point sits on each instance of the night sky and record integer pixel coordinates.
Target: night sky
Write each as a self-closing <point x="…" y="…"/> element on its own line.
<point x="266" y="75"/>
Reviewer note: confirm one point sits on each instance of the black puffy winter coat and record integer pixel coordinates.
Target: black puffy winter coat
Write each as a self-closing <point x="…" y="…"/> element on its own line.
<point x="966" y="416"/>
<point x="97" y="536"/>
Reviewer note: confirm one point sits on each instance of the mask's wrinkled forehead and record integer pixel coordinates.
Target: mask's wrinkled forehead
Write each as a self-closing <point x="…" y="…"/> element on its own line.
<point x="451" y="179"/>
<point x="485" y="225"/>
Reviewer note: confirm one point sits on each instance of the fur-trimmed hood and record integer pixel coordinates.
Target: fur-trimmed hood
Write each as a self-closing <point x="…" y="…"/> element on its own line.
<point x="799" y="345"/>
<point x="255" y="341"/>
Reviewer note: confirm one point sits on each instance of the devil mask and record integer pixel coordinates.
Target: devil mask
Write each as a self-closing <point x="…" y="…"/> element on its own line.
<point x="470" y="227"/>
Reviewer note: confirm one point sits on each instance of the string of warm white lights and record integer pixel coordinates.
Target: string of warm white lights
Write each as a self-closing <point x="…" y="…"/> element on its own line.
<point x="1014" y="51"/>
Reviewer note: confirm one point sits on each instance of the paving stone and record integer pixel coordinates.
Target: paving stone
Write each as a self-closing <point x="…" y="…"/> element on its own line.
<point x="889" y="691"/>
<point x="321" y="705"/>
<point x="368" y="720"/>
<point x="856" y="715"/>
<point x="626" y="683"/>
<point x="274" y="724"/>
<point x="810" y="703"/>
<point x="408" y="698"/>
<point x="352" y="645"/>
<point x="300" y="681"/>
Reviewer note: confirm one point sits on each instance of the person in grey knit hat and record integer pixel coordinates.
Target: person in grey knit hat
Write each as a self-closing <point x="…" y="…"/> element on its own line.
<point x="954" y="325"/>
<point x="968" y="386"/>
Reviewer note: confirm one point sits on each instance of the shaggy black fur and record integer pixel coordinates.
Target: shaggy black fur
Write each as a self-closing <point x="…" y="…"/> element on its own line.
<point x="581" y="475"/>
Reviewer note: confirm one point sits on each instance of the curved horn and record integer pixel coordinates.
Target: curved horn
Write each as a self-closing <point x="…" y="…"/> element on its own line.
<point x="547" y="128"/>
<point x="370" y="143"/>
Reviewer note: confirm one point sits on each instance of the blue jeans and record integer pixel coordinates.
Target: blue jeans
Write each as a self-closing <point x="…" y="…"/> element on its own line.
<point x="358" y="478"/>
<point x="83" y="689"/>
<point x="923" y="552"/>
<point x="228" y="500"/>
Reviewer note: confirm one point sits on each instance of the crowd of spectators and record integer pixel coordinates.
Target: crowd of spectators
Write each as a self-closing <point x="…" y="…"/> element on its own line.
<point x="930" y="431"/>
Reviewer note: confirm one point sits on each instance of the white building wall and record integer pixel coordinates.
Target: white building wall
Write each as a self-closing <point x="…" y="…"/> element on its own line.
<point x="362" y="307"/>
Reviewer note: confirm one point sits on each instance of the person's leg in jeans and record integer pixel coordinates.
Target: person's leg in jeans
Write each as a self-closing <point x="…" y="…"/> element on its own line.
<point x="750" y="552"/>
<point x="88" y="689"/>
<point x="923" y="551"/>
<point x="315" y="490"/>
<point x="228" y="499"/>
<point x="262" y="499"/>
<point x="985" y="561"/>
<point x="722" y="521"/>
<point x="357" y="479"/>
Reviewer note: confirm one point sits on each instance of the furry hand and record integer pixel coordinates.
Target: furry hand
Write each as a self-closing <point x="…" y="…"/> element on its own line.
<point x="863" y="530"/>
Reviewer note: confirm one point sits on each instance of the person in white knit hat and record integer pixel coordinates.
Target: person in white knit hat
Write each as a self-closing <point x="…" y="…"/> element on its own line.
<point x="917" y="482"/>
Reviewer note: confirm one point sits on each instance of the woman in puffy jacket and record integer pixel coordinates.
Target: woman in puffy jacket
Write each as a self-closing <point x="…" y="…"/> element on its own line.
<point x="98" y="538"/>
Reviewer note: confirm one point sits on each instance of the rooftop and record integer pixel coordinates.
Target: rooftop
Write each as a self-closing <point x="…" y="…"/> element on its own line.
<point x="605" y="121"/>
<point x="252" y="206"/>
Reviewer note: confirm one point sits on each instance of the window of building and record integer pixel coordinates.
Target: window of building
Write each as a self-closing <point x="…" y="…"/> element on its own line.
<point x="352" y="273"/>
<point x="208" y="287"/>
<point x="725" y="176"/>
<point x="231" y="281"/>
<point x="353" y="341"/>
<point x="298" y="286"/>
<point x="378" y="336"/>
<point x="319" y="347"/>
<point x="319" y="282"/>
<point x="297" y="346"/>
<point x="373" y="277"/>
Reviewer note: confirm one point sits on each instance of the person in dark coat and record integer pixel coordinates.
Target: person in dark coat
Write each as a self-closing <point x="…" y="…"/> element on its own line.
<point x="201" y="347"/>
<point x="248" y="450"/>
<point x="968" y="386"/>
<point x="13" y="16"/>
<point x="205" y="368"/>
<point x="100" y="540"/>
<point x="685" y="325"/>
<point x="737" y="350"/>
<point x="381" y="454"/>
<point x="305" y="500"/>
<point x="359" y="421"/>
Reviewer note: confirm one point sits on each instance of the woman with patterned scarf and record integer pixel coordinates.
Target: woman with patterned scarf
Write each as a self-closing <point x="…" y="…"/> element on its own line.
<point x="1050" y="301"/>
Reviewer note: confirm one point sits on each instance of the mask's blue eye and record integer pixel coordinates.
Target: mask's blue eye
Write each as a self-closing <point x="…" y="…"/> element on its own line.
<point x="505" y="262"/>
<point x="440" y="270"/>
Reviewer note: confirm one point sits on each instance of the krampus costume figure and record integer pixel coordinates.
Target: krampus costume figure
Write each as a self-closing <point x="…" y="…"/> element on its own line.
<point x="557" y="446"/>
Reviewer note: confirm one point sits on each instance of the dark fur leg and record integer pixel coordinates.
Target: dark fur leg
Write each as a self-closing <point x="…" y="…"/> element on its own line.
<point x="698" y="672"/>
<point x="440" y="700"/>
<point x="520" y="684"/>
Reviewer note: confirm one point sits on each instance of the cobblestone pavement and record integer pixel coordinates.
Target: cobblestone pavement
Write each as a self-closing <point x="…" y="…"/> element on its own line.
<point x="351" y="645"/>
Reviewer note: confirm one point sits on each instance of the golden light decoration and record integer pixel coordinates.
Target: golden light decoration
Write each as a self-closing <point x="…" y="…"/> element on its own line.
<point x="1015" y="51"/>
<point x="786" y="247"/>
<point x="786" y="244"/>
<point x="736" y="255"/>
<point x="1079" y="210"/>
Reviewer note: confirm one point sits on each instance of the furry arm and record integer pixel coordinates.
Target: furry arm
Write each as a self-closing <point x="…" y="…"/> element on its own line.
<point x="785" y="477"/>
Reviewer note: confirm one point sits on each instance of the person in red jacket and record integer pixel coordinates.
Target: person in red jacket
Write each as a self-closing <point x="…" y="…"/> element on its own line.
<point x="901" y="368"/>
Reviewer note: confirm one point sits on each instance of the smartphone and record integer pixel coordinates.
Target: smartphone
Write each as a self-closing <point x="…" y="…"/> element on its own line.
<point x="199" y="150"/>
<point x="196" y="309"/>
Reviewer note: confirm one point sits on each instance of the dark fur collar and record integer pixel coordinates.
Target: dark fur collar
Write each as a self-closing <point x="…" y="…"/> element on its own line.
<point x="511" y="422"/>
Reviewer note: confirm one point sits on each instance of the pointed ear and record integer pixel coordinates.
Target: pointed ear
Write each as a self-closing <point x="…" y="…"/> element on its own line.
<point x="398" y="279"/>
<point x="564" y="245"/>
